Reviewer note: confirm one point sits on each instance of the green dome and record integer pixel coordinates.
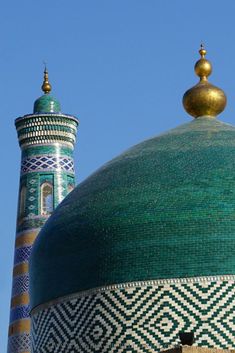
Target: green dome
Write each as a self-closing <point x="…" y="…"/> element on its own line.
<point x="46" y="104"/>
<point x="163" y="209"/>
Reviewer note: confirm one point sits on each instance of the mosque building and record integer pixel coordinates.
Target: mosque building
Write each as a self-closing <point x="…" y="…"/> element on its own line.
<point x="140" y="257"/>
<point x="46" y="139"/>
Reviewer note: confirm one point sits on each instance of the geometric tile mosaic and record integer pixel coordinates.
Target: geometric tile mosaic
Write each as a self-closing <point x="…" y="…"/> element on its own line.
<point x="19" y="343"/>
<point x="20" y="284"/>
<point x="19" y="312"/>
<point x="47" y="162"/>
<point x="32" y="198"/>
<point x="58" y="164"/>
<point x="31" y="215"/>
<point x="22" y="254"/>
<point x="137" y="319"/>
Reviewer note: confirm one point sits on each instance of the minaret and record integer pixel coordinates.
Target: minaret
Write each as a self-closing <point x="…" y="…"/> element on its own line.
<point x="46" y="139"/>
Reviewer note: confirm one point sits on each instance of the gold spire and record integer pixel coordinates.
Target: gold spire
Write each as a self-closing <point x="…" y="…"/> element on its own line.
<point x="204" y="99"/>
<point x="46" y="87"/>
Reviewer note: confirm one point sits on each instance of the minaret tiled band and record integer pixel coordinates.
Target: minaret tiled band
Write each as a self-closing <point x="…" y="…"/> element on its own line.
<point x="47" y="140"/>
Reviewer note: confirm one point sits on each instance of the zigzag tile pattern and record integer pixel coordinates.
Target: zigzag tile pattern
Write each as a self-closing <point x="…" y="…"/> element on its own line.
<point x="19" y="343"/>
<point x="19" y="312"/>
<point x="22" y="254"/>
<point x="20" y="284"/>
<point x="47" y="162"/>
<point x="138" y="319"/>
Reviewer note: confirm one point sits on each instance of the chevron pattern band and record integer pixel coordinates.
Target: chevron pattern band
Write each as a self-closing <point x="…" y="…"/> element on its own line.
<point x="138" y="318"/>
<point x="47" y="163"/>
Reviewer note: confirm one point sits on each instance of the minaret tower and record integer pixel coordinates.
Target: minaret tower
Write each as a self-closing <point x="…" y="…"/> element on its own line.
<point x="46" y="139"/>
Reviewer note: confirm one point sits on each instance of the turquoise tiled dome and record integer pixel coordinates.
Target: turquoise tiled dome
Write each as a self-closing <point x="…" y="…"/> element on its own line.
<point x="46" y="104"/>
<point x="163" y="209"/>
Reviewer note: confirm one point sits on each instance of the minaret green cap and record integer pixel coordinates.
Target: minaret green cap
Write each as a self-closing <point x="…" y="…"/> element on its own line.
<point x="46" y="103"/>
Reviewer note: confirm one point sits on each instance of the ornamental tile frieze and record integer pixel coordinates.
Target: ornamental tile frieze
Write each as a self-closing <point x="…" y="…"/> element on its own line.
<point x="138" y="318"/>
<point x="47" y="163"/>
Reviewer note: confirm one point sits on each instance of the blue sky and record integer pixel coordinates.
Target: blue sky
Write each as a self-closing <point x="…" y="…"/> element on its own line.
<point x="120" y="66"/>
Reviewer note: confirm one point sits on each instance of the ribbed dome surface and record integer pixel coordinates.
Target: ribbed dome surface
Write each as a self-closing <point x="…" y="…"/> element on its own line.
<point x="163" y="209"/>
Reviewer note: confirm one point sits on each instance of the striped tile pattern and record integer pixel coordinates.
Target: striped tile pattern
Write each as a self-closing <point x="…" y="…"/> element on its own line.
<point x="138" y="319"/>
<point x="41" y="161"/>
<point x="19" y="312"/>
<point x="19" y="329"/>
<point x="22" y="254"/>
<point x="20" y="284"/>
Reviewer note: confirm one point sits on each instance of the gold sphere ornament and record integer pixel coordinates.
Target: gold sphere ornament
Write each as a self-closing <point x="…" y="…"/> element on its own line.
<point x="204" y="99"/>
<point x="46" y="86"/>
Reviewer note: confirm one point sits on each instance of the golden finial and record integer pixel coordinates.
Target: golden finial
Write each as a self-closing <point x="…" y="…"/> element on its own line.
<point x="46" y="87"/>
<point x="204" y="99"/>
<point x="202" y="51"/>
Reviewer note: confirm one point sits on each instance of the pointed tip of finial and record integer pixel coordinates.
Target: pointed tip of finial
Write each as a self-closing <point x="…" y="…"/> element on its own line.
<point x="46" y="87"/>
<point x="202" y="51"/>
<point x="45" y="67"/>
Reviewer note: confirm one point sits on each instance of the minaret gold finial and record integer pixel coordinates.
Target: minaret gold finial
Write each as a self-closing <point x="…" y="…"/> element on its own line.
<point x="46" y="87"/>
<point x="204" y="99"/>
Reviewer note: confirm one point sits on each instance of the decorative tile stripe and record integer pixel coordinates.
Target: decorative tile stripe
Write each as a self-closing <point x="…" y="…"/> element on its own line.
<point x="19" y="312"/>
<point x="22" y="254"/>
<point x="20" y="285"/>
<point x="19" y="343"/>
<point x="49" y="144"/>
<point x="138" y="319"/>
<point x="24" y="239"/>
<point x="46" y="124"/>
<point x="28" y="231"/>
<point x="31" y="139"/>
<point x="21" y="269"/>
<point x="46" y="163"/>
<point x="19" y="327"/>
<point x="21" y="299"/>
<point x="32" y="118"/>
<point x="31" y="221"/>
<point x="47" y="128"/>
